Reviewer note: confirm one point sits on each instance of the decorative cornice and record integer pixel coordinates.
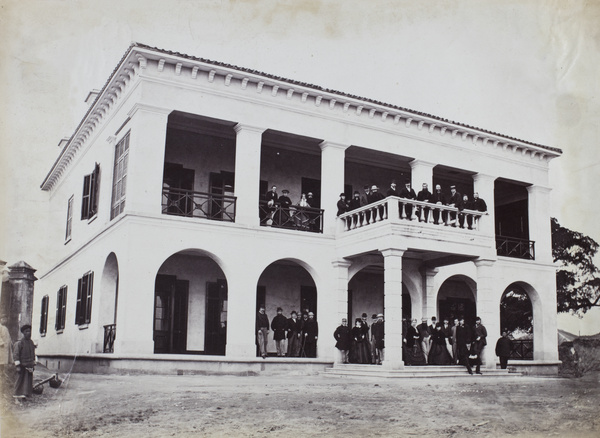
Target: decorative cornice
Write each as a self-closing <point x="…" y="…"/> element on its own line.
<point x="136" y="60"/>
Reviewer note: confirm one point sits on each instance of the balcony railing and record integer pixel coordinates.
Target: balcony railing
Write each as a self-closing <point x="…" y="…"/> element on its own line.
<point x="188" y="203"/>
<point x="522" y="349"/>
<point x="395" y="208"/>
<point x="513" y="247"/>
<point x="293" y="218"/>
<point x="110" y="333"/>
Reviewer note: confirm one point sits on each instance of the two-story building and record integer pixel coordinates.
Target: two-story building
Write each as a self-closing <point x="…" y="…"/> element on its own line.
<point x="164" y="244"/>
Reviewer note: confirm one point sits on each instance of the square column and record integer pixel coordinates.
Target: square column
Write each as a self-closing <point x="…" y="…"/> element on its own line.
<point x="429" y="298"/>
<point x="488" y="309"/>
<point x="392" y="300"/>
<point x="146" y="162"/>
<point x="484" y="186"/>
<point x="539" y="222"/>
<point x="421" y="172"/>
<point x="341" y="291"/>
<point x="241" y="315"/>
<point x="332" y="181"/>
<point x="247" y="173"/>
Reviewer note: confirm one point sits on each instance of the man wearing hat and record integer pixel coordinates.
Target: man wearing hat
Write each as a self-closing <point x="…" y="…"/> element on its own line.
<point x="311" y="334"/>
<point x="504" y="347"/>
<point x="24" y="357"/>
<point x="424" y="196"/>
<point x="279" y="326"/>
<point x="454" y="201"/>
<point x="424" y="336"/>
<point x="355" y="201"/>
<point x="342" y="206"/>
<point x="392" y="190"/>
<point x="408" y="193"/>
<point x="271" y="198"/>
<point x="294" y="329"/>
<point x="284" y="214"/>
<point x="262" y="331"/>
<point x="343" y="339"/>
<point x="378" y="332"/>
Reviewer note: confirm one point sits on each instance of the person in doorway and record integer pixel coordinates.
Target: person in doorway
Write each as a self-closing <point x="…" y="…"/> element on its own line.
<point x="413" y="353"/>
<point x="366" y="329"/>
<point x="279" y="327"/>
<point x="504" y="347"/>
<point x="311" y="335"/>
<point x="360" y="349"/>
<point x="293" y="335"/>
<point x="262" y="331"/>
<point x="447" y="330"/>
<point x="479" y="343"/>
<point x="378" y="332"/>
<point x="24" y="357"/>
<point x="343" y="339"/>
<point x="438" y="353"/>
<point x="424" y="336"/>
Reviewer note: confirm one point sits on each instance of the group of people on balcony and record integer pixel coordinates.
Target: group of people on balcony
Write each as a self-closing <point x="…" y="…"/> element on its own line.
<point x="455" y="199"/>
<point x="301" y="334"/>
<point x="444" y="344"/>
<point x="361" y="344"/>
<point x="280" y="211"/>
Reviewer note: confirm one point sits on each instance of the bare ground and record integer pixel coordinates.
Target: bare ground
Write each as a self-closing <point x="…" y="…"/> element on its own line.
<point x="259" y="406"/>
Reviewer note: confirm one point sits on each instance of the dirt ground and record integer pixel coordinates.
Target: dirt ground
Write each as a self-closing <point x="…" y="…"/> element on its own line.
<point x="325" y="406"/>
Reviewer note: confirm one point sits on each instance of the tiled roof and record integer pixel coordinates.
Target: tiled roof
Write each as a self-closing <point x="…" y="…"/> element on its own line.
<point x="340" y="93"/>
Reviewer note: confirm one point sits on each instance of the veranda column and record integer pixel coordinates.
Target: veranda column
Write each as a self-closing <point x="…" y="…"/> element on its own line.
<point x="420" y="172"/>
<point x="392" y="303"/>
<point x="341" y="290"/>
<point x="144" y="180"/>
<point x="484" y="186"/>
<point x="429" y="299"/>
<point x="247" y="173"/>
<point x="539" y="222"/>
<point x="332" y="181"/>
<point x="488" y="309"/>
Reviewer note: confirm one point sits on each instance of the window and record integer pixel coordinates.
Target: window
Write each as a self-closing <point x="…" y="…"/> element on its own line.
<point x="69" y="219"/>
<point x="83" y="311"/>
<point x="61" y="309"/>
<point x="120" y="177"/>
<point x="44" y="317"/>
<point x="89" y="200"/>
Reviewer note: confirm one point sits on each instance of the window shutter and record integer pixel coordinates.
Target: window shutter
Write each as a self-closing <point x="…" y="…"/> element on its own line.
<point x="85" y="199"/>
<point x="78" y="308"/>
<point x="88" y="301"/>
<point x="44" y="316"/>
<point x="94" y="188"/>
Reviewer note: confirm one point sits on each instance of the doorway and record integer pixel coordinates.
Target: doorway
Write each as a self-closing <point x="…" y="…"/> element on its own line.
<point x="215" y="329"/>
<point x="170" y="315"/>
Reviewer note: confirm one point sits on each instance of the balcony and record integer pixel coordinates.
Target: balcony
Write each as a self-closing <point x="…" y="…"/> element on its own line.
<point x="110" y="334"/>
<point x="294" y="218"/>
<point x="188" y="203"/>
<point x="394" y="208"/>
<point x="514" y="247"/>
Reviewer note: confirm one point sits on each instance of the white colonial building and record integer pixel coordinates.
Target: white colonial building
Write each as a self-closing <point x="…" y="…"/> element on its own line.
<point x="163" y="244"/>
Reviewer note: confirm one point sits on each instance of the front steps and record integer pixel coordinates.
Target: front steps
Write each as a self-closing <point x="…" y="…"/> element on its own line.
<point x="358" y="370"/>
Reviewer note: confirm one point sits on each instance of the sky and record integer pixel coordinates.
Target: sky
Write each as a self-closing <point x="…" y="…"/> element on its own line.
<point x="524" y="68"/>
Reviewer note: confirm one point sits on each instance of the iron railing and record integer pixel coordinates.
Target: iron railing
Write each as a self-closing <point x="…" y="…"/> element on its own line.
<point x="514" y="247"/>
<point x="396" y="208"/>
<point x="293" y="218"/>
<point x="110" y="334"/>
<point x="180" y="202"/>
<point x="522" y="349"/>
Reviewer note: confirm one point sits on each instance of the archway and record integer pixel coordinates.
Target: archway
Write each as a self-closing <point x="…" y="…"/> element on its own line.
<point x="107" y="315"/>
<point x="456" y="298"/>
<point x="516" y="316"/>
<point x="286" y="284"/>
<point x="190" y="305"/>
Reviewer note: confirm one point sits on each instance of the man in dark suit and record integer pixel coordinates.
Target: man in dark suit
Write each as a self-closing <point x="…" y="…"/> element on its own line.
<point x="378" y="331"/>
<point x="293" y="335"/>
<point x="355" y="202"/>
<point x="407" y="193"/>
<point x="463" y="339"/>
<point x="342" y="205"/>
<point x="504" y="348"/>
<point x="279" y="327"/>
<point x="392" y="190"/>
<point x="343" y="339"/>
<point x="478" y="203"/>
<point x="454" y="201"/>
<point x="438" y="198"/>
<point x="284" y="201"/>
<point x="424" y="196"/>
<point x="311" y="334"/>
<point x="271" y="197"/>
<point x="262" y="331"/>
<point x="479" y="342"/>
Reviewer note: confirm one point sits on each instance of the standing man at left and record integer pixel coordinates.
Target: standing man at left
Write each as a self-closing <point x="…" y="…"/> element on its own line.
<point x="24" y="357"/>
<point x="262" y="331"/>
<point x="279" y="326"/>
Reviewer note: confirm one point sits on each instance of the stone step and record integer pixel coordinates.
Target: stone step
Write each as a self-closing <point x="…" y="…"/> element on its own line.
<point x="357" y="370"/>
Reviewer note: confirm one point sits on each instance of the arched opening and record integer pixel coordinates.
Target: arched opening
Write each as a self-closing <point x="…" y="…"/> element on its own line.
<point x="516" y="316"/>
<point x="109" y="291"/>
<point x="456" y="298"/>
<point x="190" y="305"/>
<point x="288" y="285"/>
